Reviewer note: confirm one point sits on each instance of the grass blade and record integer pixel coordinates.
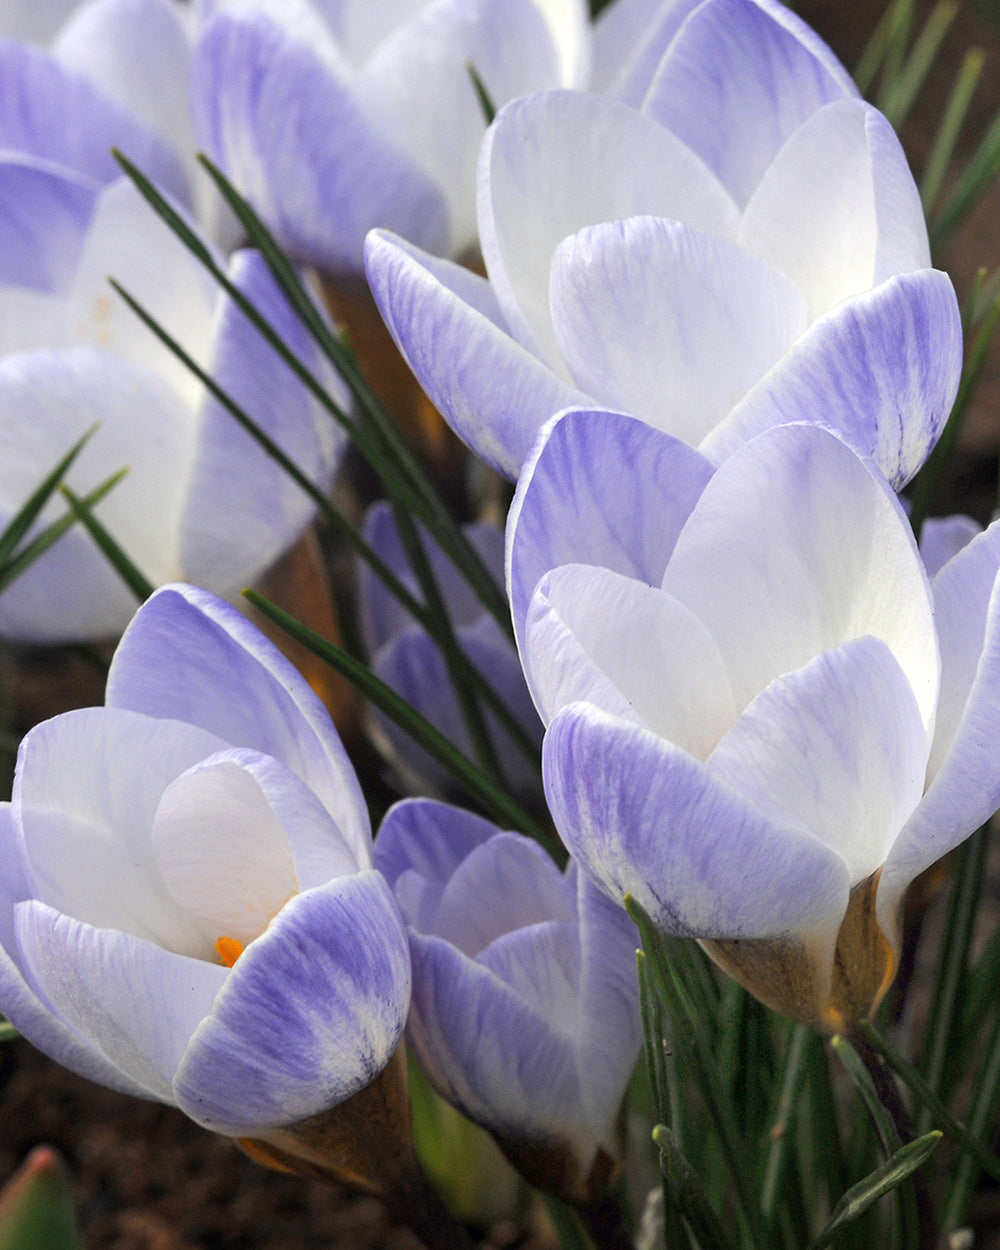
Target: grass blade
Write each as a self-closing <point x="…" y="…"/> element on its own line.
<point x="24" y="518"/>
<point x="127" y="570"/>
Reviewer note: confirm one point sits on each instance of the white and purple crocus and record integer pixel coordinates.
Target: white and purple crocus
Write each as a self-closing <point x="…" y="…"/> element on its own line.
<point x="725" y="248"/>
<point x="763" y="720"/>
<point x="188" y="907"/>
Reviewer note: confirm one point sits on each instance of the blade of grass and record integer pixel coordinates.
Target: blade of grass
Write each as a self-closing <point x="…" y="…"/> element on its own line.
<point x="689" y="1194"/>
<point x="979" y="172"/>
<point x="914" y="71"/>
<point x="124" y="566"/>
<point x="901" y="1164"/>
<point x="500" y="806"/>
<point x="793" y="1073"/>
<point x="24" y="518"/>
<point x="982" y="1113"/>
<point x="897" y="42"/>
<point x="955" y="113"/>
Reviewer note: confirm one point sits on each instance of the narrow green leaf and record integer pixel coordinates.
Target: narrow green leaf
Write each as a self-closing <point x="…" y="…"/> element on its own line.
<point x="127" y="570"/>
<point x="943" y="147"/>
<point x="859" y="1074"/>
<point x="689" y="1194"/>
<point x="901" y="1164"/>
<point x="482" y="95"/>
<point x="7" y="1031"/>
<point x="984" y="1104"/>
<point x="501" y="807"/>
<point x="914" y="71"/>
<point x="567" y="1224"/>
<point x="24" y="518"/>
<point x="28" y="554"/>
<point x="939" y="1113"/>
<point x="37" y="1211"/>
<point x="692" y="1035"/>
<point x="793" y="1072"/>
<point x="897" y="43"/>
<point x="979" y="172"/>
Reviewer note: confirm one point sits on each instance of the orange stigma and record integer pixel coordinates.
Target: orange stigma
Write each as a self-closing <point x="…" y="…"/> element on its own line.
<point x="229" y="950"/>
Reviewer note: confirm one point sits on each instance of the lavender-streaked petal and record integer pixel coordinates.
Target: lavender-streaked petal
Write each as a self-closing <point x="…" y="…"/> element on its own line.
<point x="581" y="501"/>
<point x="183" y="656"/>
<point x="739" y="79"/>
<point x="597" y="160"/>
<point x="142" y="1002"/>
<point x="643" y="817"/>
<point x="795" y="547"/>
<point x="293" y="138"/>
<point x="310" y="1014"/>
<point x="838" y="210"/>
<point x="493" y="393"/>
<point x="242" y="510"/>
<point x="630" y="38"/>
<point x="886" y="365"/>
<point x="44" y="216"/>
<point x="837" y="748"/>
<point x="668" y="323"/>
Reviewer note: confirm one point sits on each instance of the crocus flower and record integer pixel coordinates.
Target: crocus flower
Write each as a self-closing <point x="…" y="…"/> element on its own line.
<point x="763" y="721"/>
<point x="525" y="1004"/>
<point x="406" y="658"/>
<point x="79" y="79"/>
<point x="751" y="233"/>
<point x="334" y="119"/>
<point x="201" y="500"/>
<point x="188" y="907"/>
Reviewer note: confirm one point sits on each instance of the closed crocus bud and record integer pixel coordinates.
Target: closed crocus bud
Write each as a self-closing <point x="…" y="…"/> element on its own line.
<point x="188" y="907"/>
<point x="406" y="658"/>
<point x="334" y="119"/>
<point x="525" y="1003"/>
<point x="201" y="500"/>
<point x="763" y="721"/>
<point x="752" y="231"/>
<point x="82" y="78"/>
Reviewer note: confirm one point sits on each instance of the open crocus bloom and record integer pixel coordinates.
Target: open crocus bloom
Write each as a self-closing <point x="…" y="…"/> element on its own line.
<point x="201" y="499"/>
<point x="333" y="118"/>
<point x="188" y="910"/>
<point x="763" y="722"/>
<point x="751" y="232"/>
<point x="525" y="1003"/>
<point x="406" y="658"/>
<point x="82" y="78"/>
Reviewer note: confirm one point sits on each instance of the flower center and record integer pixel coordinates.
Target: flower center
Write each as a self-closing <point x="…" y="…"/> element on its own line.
<point x="229" y="950"/>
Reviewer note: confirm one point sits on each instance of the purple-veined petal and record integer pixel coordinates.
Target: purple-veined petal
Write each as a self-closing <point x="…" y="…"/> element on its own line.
<point x="310" y="1013"/>
<point x="87" y="788"/>
<point x="48" y="399"/>
<point x="882" y="369"/>
<point x="837" y="748"/>
<point x="417" y="89"/>
<point x="19" y="1003"/>
<point x="45" y="213"/>
<point x="128" y="241"/>
<point x="138" y="53"/>
<point x="795" y="547"/>
<point x="561" y="160"/>
<point x="667" y="323"/>
<point x="964" y="788"/>
<point x="446" y="322"/>
<point x="242" y="510"/>
<point x="479" y="1067"/>
<point x="741" y="76"/>
<point x="581" y="501"/>
<point x="643" y="817"/>
<point x="142" y="1002"/>
<point x="541" y="964"/>
<point x="595" y="635"/>
<point x="609" y="1031"/>
<point x="183" y="657"/>
<point x="630" y="38"/>
<point x="942" y="538"/>
<point x="56" y="114"/>
<point x="294" y="140"/>
<point x="838" y="210"/>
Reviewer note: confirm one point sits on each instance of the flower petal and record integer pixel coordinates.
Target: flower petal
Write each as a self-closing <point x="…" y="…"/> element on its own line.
<point x="630" y="38"/>
<point x="446" y="322"/>
<point x="739" y="79"/>
<point x="837" y="748"/>
<point x="887" y="365"/>
<point x="795" y="547"/>
<point x="294" y="140"/>
<point x="310" y="1014"/>
<point x="183" y="656"/>
<point x="941" y="539"/>
<point x="581" y="501"/>
<point x="242" y="510"/>
<point x="142" y="1002"/>
<point x="643" y="817"/>
<point x="668" y="323"/>
<point x="561" y="160"/>
<point x="838" y="210"/>
<point x="44" y="217"/>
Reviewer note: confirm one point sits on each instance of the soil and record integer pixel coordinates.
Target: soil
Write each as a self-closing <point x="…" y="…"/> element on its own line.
<point x="145" y="1177"/>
